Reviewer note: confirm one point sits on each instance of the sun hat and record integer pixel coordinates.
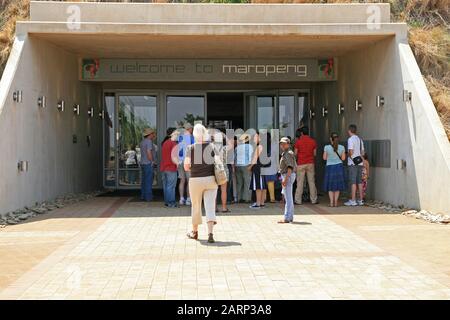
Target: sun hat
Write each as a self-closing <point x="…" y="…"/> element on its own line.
<point x="285" y="140"/>
<point x="244" y="137"/>
<point x="148" y="131"/>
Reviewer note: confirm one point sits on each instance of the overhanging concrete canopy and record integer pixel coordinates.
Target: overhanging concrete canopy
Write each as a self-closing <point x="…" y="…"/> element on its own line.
<point x="209" y="41"/>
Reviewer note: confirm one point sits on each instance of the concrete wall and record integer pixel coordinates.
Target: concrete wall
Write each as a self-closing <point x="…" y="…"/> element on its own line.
<point x="44" y="136"/>
<point x="208" y="13"/>
<point x="415" y="131"/>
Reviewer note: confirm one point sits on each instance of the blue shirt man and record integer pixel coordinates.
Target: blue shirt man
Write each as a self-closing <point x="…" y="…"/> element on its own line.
<point x="244" y="152"/>
<point x="148" y="157"/>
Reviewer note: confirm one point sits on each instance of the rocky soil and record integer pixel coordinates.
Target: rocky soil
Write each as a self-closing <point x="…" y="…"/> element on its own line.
<point x="15" y="217"/>
<point x="422" y="214"/>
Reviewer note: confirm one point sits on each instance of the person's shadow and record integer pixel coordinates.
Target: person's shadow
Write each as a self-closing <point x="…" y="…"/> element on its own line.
<point x="220" y="243"/>
<point x="302" y="223"/>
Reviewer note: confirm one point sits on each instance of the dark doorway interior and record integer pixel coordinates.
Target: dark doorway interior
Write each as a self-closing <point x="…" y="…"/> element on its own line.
<point x="226" y="106"/>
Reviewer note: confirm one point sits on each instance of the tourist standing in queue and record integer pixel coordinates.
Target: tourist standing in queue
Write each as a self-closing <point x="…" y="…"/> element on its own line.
<point x="270" y="171"/>
<point x="222" y="147"/>
<point x="257" y="182"/>
<point x="243" y="159"/>
<point x="168" y="167"/>
<point x="232" y="162"/>
<point x="287" y="170"/>
<point x="305" y="151"/>
<point x="334" y="182"/>
<point x="199" y="161"/>
<point x="365" y="175"/>
<point x="355" y="162"/>
<point x="148" y="158"/>
<point x="184" y="140"/>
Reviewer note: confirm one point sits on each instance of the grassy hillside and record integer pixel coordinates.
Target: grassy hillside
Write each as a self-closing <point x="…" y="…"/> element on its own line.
<point x="429" y="37"/>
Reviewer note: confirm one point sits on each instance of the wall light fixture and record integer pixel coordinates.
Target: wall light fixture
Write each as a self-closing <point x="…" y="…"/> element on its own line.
<point x="90" y="112"/>
<point x="61" y="106"/>
<point x="76" y="109"/>
<point x="380" y="101"/>
<point x="42" y="102"/>
<point x="17" y="96"/>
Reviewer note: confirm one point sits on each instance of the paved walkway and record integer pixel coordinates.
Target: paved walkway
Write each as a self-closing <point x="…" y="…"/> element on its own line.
<point x="113" y="248"/>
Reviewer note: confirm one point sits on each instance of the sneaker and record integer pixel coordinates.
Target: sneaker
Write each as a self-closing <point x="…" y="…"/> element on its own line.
<point x="350" y="203"/>
<point x="254" y="206"/>
<point x="182" y="202"/>
<point x="360" y="202"/>
<point x="188" y="201"/>
<point x="298" y="203"/>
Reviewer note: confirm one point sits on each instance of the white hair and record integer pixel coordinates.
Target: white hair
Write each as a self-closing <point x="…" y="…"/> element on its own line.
<point x="200" y="133"/>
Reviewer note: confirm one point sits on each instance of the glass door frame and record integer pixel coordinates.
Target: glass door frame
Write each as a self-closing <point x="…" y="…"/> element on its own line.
<point x="251" y="111"/>
<point x="183" y="93"/>
<point x="117" y="95"/>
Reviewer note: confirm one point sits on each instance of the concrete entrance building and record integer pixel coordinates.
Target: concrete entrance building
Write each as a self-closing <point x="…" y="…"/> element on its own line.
<point x="84" y="78"/>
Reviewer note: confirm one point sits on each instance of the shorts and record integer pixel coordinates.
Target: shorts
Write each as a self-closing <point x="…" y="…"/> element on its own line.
<point x="355" y="174"/>
<point x="183" y="174"/>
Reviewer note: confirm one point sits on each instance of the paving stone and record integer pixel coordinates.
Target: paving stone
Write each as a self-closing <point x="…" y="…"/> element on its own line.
<point x="141" y="252"/>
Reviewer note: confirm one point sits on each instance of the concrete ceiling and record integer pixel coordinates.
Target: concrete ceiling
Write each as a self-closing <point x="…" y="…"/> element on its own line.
<point x="208" y="46"/>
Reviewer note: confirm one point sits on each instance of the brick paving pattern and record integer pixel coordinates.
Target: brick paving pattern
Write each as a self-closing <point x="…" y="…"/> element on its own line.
<point x="109" y="248"/>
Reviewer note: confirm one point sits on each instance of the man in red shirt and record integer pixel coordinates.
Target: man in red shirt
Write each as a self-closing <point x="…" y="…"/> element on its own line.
<point x="168" y="167"/>
<point x="305" y="151"/>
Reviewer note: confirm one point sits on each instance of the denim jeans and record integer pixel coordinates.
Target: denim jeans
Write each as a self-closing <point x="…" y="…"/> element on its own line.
<point x="169" y="180"/>
<point x="289" y="198"/>
<point x="147" y="182"/>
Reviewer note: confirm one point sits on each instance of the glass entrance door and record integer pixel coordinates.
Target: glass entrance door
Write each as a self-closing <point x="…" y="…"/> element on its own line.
<point x="135" y="113"/>
<point x="185" y="108"/>
<point x="283" y="110"/>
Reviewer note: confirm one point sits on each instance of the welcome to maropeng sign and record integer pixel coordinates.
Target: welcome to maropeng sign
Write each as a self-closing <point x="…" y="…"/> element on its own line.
<point x="208" y="70"/>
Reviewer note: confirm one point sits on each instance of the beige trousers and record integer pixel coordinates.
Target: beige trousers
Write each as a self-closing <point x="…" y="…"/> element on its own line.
<point x="308" y="170"/>
<point x="203" y="189"/>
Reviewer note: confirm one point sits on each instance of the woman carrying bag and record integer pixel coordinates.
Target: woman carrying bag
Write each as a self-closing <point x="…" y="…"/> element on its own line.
<point x="207" y="172"/>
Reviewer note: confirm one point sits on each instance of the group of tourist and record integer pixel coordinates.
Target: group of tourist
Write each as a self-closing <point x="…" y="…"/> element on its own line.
<point x="251" y="164"/>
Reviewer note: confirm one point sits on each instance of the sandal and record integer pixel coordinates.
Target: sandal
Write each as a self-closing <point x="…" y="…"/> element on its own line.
<point x="210" y="238"/>
<point x="193" y="235"/>
<point x="225" y="211"/>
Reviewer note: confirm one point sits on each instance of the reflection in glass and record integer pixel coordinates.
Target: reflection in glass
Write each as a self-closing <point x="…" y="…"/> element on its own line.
<point x="135" y="114"/>
<point x="265" y="110"/>
<point x="109" y="153"/>
<point x="303" y="110"/>
<point x="182" y="109"/>
<point x="286" y="116"/>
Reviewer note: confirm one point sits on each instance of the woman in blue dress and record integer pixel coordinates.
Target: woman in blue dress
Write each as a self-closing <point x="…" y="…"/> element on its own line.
<point x="334" y="155"/>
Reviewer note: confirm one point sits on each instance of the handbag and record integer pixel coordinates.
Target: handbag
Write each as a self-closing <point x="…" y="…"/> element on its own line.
<point x="219" y="168"/>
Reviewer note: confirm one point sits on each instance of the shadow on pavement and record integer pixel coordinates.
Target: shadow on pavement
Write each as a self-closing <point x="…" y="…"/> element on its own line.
<point x="220" y="243"/>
